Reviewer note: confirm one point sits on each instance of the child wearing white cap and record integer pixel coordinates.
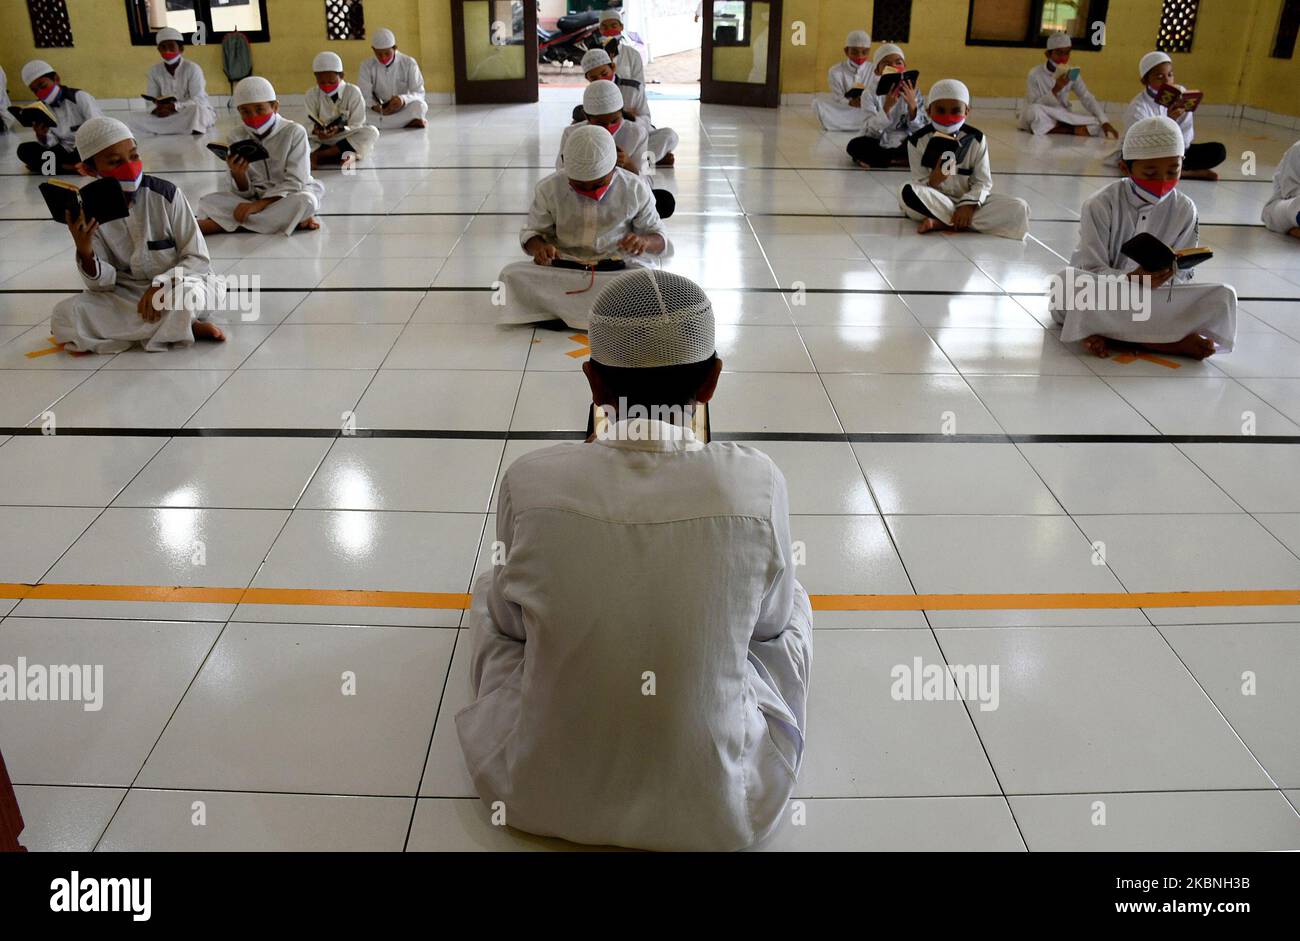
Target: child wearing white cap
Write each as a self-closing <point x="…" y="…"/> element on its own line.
<point x="887" y="120"/>
<point x="1105" y="299"/>
<point x="7" y="121"/>
<point x="1047" y="108"/>
<point x="956" y="194"/>
<point x="148" y="276"/>
<point x="1156" y="70"/>
<point x="179" y="78"/>
<point x="55" y="149"/>
<point x="587" y="222"/>
<point x="392" y="85"/>
<point x="660" y="141"/>
<point x="1282" y="211"/>
<point x="602" y="106"/>
<point x="276" y="195"/>
<point x="835" y="109"/>
<point x="643" y="549"/>
<point x="337" y="111"/>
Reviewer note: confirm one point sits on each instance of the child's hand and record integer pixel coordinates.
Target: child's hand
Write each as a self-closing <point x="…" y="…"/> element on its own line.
<point x="244" y="210"/>
<point x="1061" y="82"/>
<point x="892" y="98"/>
<point x="1109" y="130"/>
<point x="42" y="131"/>
<point x="393" y="105"/>
<point x="148" y="312"/>
<point x="963" y="216"/>
<point x="937" y="176"/>
<point x="909" y="94"/>
<point x="855" y="102"/>
<point x="633" y="244"/>
<point x="83" y="231"/>
<point x="1158" y="278"/>
<point x="237" y="164"/>
<point x="1177" y="112"/>
<point x="544" y="254"/>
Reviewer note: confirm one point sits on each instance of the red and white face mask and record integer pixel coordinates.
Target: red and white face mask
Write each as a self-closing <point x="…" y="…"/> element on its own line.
<point x="948" y="123"/>
<point x="386" y="56"/>
<point x="858" y="60"/>
<point x="128" y="174"/>
<point x="171" y="57"/>
<point x="595" y="194"/>
<point x="329" y="89"/>
<point x="261" y="121"/>
<point x="1157" y="188"/>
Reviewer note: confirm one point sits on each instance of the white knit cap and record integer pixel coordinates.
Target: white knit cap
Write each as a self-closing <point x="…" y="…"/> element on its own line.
<point x="383" y="39"/>
<point x="167" y="34"/>
<point x="1152" y="138"/>
<point x="650" y="317"/>
<point x="252" y="89"/>
<point x="602" y="97"/>
<point x="35" y="69"/>
<point x="858" y="37"/>
<point x="100" y="133"/>
<point x="594" y="59"/>
<point x="1060" y="40"/>
<point x="589" y="153"/>
<point x="611" y="14"/>
<point x="327" y="62"/>
<point x="888" y="49"/>
<point x="1150" y="61"/>
<point x="949" y="88"/>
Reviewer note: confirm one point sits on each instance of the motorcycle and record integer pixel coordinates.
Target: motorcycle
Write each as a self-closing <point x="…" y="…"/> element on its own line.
<point x="570" y="40"/>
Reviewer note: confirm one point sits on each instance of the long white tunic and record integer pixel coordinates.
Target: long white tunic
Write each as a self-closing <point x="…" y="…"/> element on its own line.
<point x="1282" y="211"/>
<point x="1043" y="108"/>
<point x="972" y="183"/>
<point x="71" y="111"/>
<point x="1144" y="105"/>
<point x="346" y="102"/>
<point x="892" y="127"/>
<point x="1108" y="219"/>
<point x="631" y="138"/>
<point x="662" y="140"/>
<point x="160" y="237"/>
<point x="624" y="559"/>
<point x="7" y="120"/>
<point x="193" y="110"/>
<point x="287" y="174"/>
<point x="401" y="78"/>
<point x="584" y="230"/>
<point x="832" y="108"/>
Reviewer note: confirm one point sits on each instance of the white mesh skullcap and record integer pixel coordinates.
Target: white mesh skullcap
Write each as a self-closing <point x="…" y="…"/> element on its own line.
<point x="888" y="49"/>
<point x="383" y="39"/>
<point x="602" y="97"/>
<point x="167" y="34"/>
<point x="1059" y="40"/>
<point x="1152" y="138"/>
<point x="100" y="133"/>
<point x="1150" y="61"/>
<point x="35" y="69"/>
<point x="949" y="88"/>
<point x="594" y="59"/>
<point x="589" y="153"/>
<point x="650" y="318"/>
<point x="327" y="62"/>
<point x="251" y="89"/>
<point x="611" y="14"/>
<point x="858" y="37"/>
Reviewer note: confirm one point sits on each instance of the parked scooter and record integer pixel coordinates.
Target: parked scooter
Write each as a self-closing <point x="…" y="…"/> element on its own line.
<point x="569" y="41"/>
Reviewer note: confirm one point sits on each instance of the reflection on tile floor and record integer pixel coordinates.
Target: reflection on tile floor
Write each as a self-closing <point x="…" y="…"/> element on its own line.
<point x="834" y="319"/>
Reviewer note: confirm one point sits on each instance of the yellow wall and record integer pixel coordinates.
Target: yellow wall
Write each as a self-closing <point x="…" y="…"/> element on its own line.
<point x="1229" y="60"/>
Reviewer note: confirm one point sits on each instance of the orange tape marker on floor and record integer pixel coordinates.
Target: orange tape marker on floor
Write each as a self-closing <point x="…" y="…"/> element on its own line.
<point x="580" y="338"/>
<point x="459" y="602"/>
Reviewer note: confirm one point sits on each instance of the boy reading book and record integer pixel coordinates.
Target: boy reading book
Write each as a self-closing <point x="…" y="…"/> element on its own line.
<point x="593" y="216"/>
<point x="55" y="149"/>
<point x="337" y="111"/>
<point x="701" y="587"/>
<point x="837" y="110"/>
<point x="392" y="85"/>
<point x="177" y="90"/>
<point x="147" y="275"/>
<point x="1160" y="95"/>
<point x="952" y="185"/>
<point x="888" y="119"/>
<point x="276" y="195"/>
<point x="1047" y="108"/>
<point x="660" y="141"/>
<point x="1282" y="211"/>
<point x="1107" y="298"/>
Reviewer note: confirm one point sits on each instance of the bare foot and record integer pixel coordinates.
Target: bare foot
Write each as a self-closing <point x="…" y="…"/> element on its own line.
<point x="308" y="225"/>
<point x="1200" y="175"/>
<point x="1193" y="346"/>
<point x="209" y="227"/>
<point x="207" y="330"/>
<point x="865" y="166"/>
<point x="418" y="122"/>
<point x="930" y="225"/>
<point x="1096" y="345"/>
<point x="1294" y="233"/>
<point x="667" y="161"/>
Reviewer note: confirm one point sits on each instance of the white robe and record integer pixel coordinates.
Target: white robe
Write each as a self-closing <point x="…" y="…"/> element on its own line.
<point x="1043" y="108"/>
<point x="7" y="120"/>
<point x="586" y="231"/>
<point x="71" y="113"/>
<point x="400" y="78"/>
<point x="662" y="140"/>
<point x="832" y="108"/>
<point x="348" y="102"/>
<point x="624" y="557"/>
<point x="160" y="237"/>
<point x="997" y="213"/>
<point x="1282" y="211"/>
<point x="631" y="138"/>
<point x="193" y="110"/>
<point x="286" y="174"/>
<point x="1110" y="218"/>
<point x="892" y="127"/>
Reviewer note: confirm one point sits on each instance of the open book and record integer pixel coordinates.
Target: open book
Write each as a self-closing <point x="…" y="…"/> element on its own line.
<point x="35" y="113"/>
<point x="165" y="100"/>
<point x="250" y="150"/>
<point x="940" y="144"/>
<point x="1154" y="255"/>
<point x="1172" y="96"/>
<point x="103" y="200"/>
<point x="890" y="79"/>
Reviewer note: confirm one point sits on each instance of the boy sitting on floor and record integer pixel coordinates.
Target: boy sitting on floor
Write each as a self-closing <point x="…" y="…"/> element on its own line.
<point x="1282" y="211"/>
<point x="1048" y="109"/>
<point x="392" y="85"/>
<point x="337" y="112"/>
<point x="660" y="141"/>
<point x="178" y="78"/>
<point x="835" y="109"/>
<point x="1157" y="71"/>
<point x="54" y="151"/>
<point x="888" y="120"/>
<point x="956" y="194"/>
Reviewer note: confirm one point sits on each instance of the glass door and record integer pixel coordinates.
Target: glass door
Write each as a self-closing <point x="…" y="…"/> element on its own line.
<point x="494" y="47"/>
<point x="741" y="57"/>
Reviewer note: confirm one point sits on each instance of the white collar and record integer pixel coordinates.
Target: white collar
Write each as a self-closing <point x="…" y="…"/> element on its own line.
<point x="650" y="434"/>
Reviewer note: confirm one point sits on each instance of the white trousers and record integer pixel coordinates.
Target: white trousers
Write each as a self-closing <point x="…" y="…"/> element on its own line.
<point x="1165" y="315"/>
<point x="535" y="293"/>
<point x="188" y="118"/>
<point x="1042" y="118"/>
<point x="1282" y="215"/>
<point x="281" y="217"/>
<point x="415" y="110"/>
<point x="1007" y="216"/>
<point x="835" y="114"/>
<point x="108" y="321"/>
<point x="363" y="140"/>
<point x="662" y="142"/>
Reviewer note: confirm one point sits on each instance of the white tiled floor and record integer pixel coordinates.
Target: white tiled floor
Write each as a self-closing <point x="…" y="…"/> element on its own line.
<point x="844" y="335"/>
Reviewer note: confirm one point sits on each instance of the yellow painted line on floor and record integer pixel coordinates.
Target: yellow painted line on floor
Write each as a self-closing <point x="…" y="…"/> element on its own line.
<point x="459" y="602"/>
